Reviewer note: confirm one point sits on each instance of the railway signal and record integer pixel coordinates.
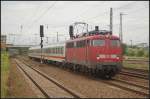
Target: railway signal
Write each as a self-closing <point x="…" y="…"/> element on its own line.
<point x="41" y="35"/>
<point x="41" y="31"/>
<point x="71" y="31"/>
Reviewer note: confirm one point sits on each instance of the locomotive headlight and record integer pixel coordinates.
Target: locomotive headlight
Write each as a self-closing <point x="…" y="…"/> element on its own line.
<point x="102" y="56"/>
<point x="113" y="56"/>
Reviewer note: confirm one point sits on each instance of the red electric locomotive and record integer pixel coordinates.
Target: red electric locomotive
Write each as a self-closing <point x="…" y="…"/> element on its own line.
<point x="99" y="52"/>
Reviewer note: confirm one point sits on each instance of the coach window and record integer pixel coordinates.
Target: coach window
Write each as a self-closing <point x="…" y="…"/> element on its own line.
<point x="62" y="50"/>
<point x="52" y="50"/>
<point x="59" y="50"/>
<point x="44" y="50"/>
<point x="49" y="50"/>
<point x="98" y="42"/>
<point x="55" y="50"/>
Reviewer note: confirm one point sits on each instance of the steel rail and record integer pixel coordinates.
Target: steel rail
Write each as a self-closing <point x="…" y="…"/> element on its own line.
<point x="126" y="88"/>
<point x="40" y="88"/>
<point x="123" y="81"/>
<point x="73" y="93"/>
<point x="134" y="75"/>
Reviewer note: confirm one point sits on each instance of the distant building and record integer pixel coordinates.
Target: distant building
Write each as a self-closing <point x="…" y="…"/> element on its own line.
<point x="14" y="50"/>
<point x="3" y="42"/>
<point x="142" y="45"/>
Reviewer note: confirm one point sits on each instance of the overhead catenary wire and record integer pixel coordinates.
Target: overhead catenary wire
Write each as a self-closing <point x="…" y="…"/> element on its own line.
<point x="50" y="7"/>
<point x="92" y="18"/>
<point x="89" y="19"/>
<point x="103" y="13"/>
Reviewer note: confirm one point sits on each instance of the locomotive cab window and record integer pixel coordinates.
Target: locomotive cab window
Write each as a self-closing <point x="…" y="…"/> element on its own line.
<point x="98" y="42"/>
<point x="115" y="43"/>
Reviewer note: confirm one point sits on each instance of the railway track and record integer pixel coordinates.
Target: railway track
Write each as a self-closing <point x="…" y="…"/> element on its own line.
<point x="125" y="85"/>
<point x="133" y="84"/>
<point x="142" y="76"/>
<point x="142" y="90"/>
<point x="47" y="85"/>
<point x="134" y="73"/>
<point x="136" y="70"/>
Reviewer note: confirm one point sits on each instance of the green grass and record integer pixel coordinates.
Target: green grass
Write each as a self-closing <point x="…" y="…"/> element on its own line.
<point x="138" y="58"/>
<point x="136" y="66"/>
<point x="4" y="73"/>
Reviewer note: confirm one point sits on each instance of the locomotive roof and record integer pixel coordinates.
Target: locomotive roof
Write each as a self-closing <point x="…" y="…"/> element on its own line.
<point x="94" y="37"/>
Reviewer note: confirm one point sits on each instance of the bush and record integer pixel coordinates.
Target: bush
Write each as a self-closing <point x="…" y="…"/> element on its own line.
<point x="146" y="54"/>
<point x="124" y="47"/>
<point x="131" y="52"/>
<point x="140" y="53"/>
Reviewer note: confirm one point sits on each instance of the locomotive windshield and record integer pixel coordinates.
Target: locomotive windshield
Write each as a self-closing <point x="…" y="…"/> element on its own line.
<point x="115" y="43"/>
<point x="98" y="42"/>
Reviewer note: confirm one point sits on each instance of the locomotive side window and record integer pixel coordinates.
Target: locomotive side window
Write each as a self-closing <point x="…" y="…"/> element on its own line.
<point x="98" y="42"/>
<point x="115" y="43"/>
<point x="81" y="43"/>
<point x="70" y="45"/>
<point x="88" y="42"/>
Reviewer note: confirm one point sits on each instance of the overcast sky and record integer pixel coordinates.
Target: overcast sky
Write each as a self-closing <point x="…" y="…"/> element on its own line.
<point x="56" y="16"/>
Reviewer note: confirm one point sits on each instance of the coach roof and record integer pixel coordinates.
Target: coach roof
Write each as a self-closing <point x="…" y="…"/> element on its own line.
<point x="49" y="45"/>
